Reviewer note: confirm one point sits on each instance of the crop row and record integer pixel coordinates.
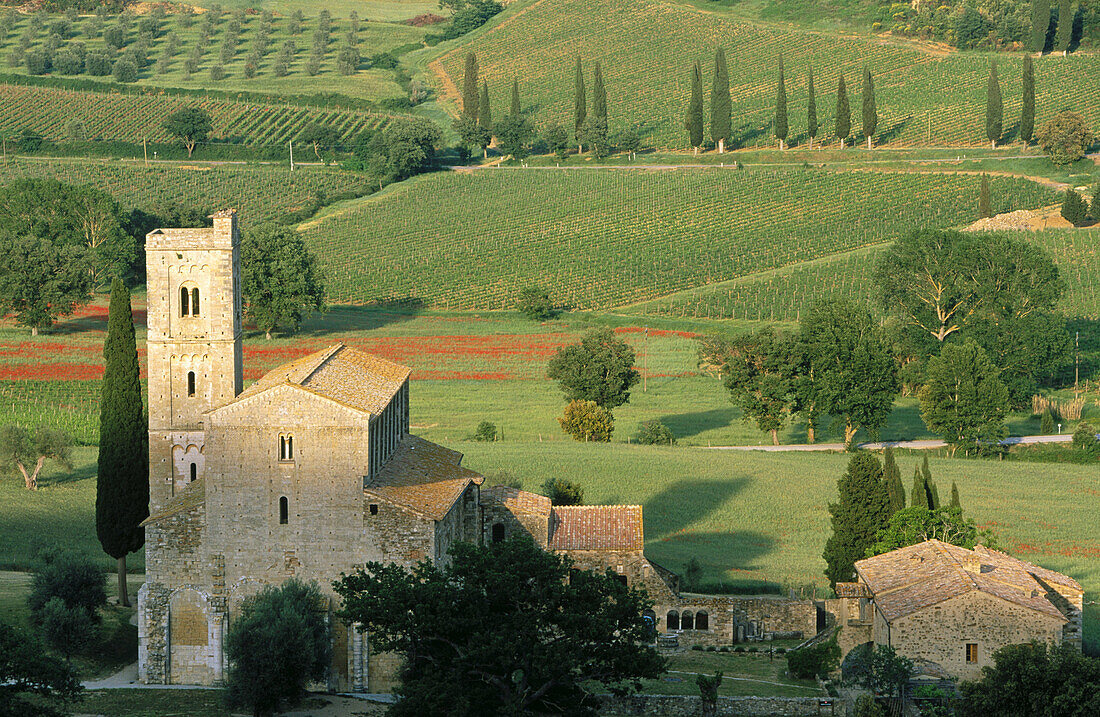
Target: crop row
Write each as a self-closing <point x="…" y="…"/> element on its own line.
<point x="646" y="49"/>
<point x="598" y="239"/>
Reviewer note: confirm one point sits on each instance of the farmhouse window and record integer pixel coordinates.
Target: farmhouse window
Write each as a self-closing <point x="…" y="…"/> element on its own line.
<point x="498" y="532"/>
<point x="284" y="510"/>
<point x="687" y="621"/>
<point x="672" y="620"/>
<point x="194" y="472"/>
<point x="971" y="653"/>
<point x="374" y="509"/>
<point x="190" y="383"/>
<point x="702" y="620"/>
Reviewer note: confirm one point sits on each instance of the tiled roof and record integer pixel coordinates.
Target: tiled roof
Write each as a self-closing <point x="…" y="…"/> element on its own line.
<point x="192" y="496"/>
<point x="596" y="527"/>
<point x="910" y="579"/>
<point x="516" y="500"/>
<point x="852" y="590"/>
<point x="423" y="476"/>
<point x="349" y="376"/>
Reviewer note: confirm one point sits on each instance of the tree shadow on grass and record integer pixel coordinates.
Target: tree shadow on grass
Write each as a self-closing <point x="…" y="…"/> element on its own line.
<point x="684" y="502"/>
<point x="56" y="475"/>
<point x="344" y="318"/>
<point x="684" y="425"/>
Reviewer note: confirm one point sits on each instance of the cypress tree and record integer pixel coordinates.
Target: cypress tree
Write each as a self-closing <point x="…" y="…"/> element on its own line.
<point x="1064" y="32"/>
<point x="1074" y="208"/>
<point x="580" y="107"/>
<point x="470" y="99"/>
<point x="955" y="496"/>
<point x="781" y="127"/>
<point x="994" y="109"/>
<point x="1040" y="24"/>
<point x="870" y="110"/>
<point x="984" y="208"/>
<point x="1027" y="111"/>
<point x="515" y="97"/>
<point x="933" y="495"/>
<point x="693" y="122"/>
<point x="720" y="105"/>
<point x="892" y="475"/>
<point x="843" y="113"/>
<point x="861" y="510"/>
<point x="122" y="483"/>
<point x="599" y="94"/>
<point x="485" y="118"/>
<point x="811" y="111"/>
<point x="918" y="496"/>
<point x="926" y="470"/>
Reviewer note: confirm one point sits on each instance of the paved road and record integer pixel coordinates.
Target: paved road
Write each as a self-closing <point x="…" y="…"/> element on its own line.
<point x="915" y="445"/>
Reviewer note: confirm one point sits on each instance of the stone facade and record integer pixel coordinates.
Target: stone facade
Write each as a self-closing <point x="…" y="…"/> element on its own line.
<point x="677" y="706"/>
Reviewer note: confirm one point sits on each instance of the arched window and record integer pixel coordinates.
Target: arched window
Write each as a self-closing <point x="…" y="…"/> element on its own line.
<point x="672" y="620"/>
<point x="282" y="448"/>
<point x="687" y="622"/>
<point x="702" y="620"/>
<point x="284" y="511"/>
<point x="185" y="301"/>
<point x="498" y="532"/>
<point x="195" y="302"/>
<point x="286" y="447"/>
<point x="194" y="471"/>
<point x="190" y="383"/>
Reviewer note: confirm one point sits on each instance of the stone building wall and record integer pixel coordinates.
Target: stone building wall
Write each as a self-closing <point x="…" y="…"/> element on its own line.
<point x="683" y="706"/>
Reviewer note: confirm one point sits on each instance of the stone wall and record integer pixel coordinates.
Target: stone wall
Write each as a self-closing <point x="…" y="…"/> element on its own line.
<point x="676" y="706"/>
<point x="733" y="618"/>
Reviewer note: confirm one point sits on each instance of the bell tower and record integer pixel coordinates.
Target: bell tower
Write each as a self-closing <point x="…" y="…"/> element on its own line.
<point x="193" y="344"/>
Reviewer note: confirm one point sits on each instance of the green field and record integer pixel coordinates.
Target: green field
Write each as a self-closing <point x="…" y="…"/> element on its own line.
<point x="599" y="238"/>
<point x="646" y="48"/>
<point x="259" y="193"/>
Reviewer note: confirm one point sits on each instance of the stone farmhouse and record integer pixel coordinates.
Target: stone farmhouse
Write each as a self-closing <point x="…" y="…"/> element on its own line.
<point x="949" y="609"/>
<point x="311" y="471"/>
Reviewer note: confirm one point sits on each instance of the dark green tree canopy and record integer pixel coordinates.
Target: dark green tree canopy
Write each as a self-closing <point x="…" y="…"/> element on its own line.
<point x="41" y="279"/>
<point x="1027" y="110"/>
<point x="580" y="101"/>
<point x="862" y="509"/>
<point x="471" y="102"/>
<point x="27" y="669"/>
<point x="1035" y="679"/>
<point x="843" y="112"/>
<point x="191" y="125"/>
<point x="760" y="374"/>
<point x="720" y="103"/>
<point x="599" y="93"/>
<point x="963" y="399"/>
<point x="280" y="280"/>
<point x="811" y="107"/>
<point x="693" y="120"/>
<point x="782" y="129"/>
<point x="994" y="108"/>
<point x="870" y="108"/>
<point x="892" y="477"/>
<point x="506" y="628"/>
<point x="918" y="524"/>
<point x="600" y="368"/>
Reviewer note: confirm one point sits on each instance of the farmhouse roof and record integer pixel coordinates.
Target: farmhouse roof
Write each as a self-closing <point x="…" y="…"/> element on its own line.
<point x="424" y="477"/>
<point x="516" y="500"/>
<point x="349" y="376"/>
<point x="192" y="496"/>
<point x="910" y="579"/>
<point x="596" y="527"/>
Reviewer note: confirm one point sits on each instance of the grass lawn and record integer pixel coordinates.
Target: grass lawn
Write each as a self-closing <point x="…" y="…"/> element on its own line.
<point x="745" y="674"/>
<point x="154" y="703"/>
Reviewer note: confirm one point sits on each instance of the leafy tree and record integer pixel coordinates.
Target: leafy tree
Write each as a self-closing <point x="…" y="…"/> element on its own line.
<point x="125" y="70"/>
<point x="122" y="483"/>
<point x="693" y="120"/>
<point x="759" y="374"/>
<point x="1064" y="31"/>
<point x="471" y="102"/>
<point x="994" y="108"/>
<point x="279" y="642"/>
<point x="861" y="510"/>
<point x="486" y="432"/>
<point x="867" y="706"/>
<point x="870" y="110"/>
<point x="814" y="661"/>
<point x="317" y="136"/>
<point x="887" y="672"/>
<point x="1027" y="110"/>
<point x="485" y="120"/>
<point x="1066" y="137"/>
<point x="1094" y="206"/>
<point x="1046" y="423"/>
<point x="68" y="630"/>
<point x="472" y="133"/>
<point x="971" y="27"/>
<point x="843" y="113"/>
<point x="720" y="104"/>
<point x="654" y="433"/>
<point x="594" y="134"/>
<point x="781" y="127"/>
<point x="41" y="279"/>
<point x="1035" y="679"/>
<point x="811" y="110"/>
<point x="1040" y="24"/>
<point x="191" y="125"/>
<point x="892" y="477"/>
<point x="27" y="669"/>
<point x="347" y="61"/>
<point x="20" y="449"/>
<point x="708" y="692"/>
<point x="1075" y="210"/>
<point x="1027" y="348"/>
<point x="984" y="208"/>
<point x="587" y="421"/>
<point x="280" y="280"/>
<point x="1085" y="439"/>
<point x="563" y="492"/>
<point x="600" y="368"/>
<point x="557" y="140"/>
<point x="854" y="371"/>
<point x="917" y="524"/>
<point x="580" y="107"/>
<point x="535" y="303"/>
<point x="552" y="631"/>
<point x="70" y="577"/>
<point x="627" y="140"/>
<point x="963" y="400"/>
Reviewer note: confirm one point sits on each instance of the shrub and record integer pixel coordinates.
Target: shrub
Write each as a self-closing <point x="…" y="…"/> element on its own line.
<point x="1046" y="425"/>
<point x="70" y="577"/>
<point x="739" y="648"/>
<point x="125" y="70"/>
<point x="697" y="648"/>
<point x="1084" y="439"/>
<point x="587" y="421"/>
<point x="561" y="491"/>
<point x="534" y="303"/>
<point x="868" y="706"/>
<point x="383" y="61"/>
<point x="37" y="62"/>
<point x="67" y="63"/>
<point x="250" y="70"/>
<point x="68" y="630"/>
<point x="712" y="648"/>
<point x="1074" y="208"/>
<point x="814" y="661"/>
<point x="217" y="72"/>
<point x="724" y="648"/>
<point x="485" y="432"/>
<point x="655" y="433"/>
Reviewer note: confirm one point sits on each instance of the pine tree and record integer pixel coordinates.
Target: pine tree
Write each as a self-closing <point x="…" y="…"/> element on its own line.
<point x="811" y="111"/>
<point x="870" y="110"/>
<point x="1064" y="32"/>
<point x="485" y="118"/>
<point x="843" y="113"/>
<point x="918" y="496"/>
<point x="599" y="94"/>
<point x="892" y="475"/>
<point x="470" y="98"/>
<point x="984" y="208"/>
<point x="781" y="126"/>
<point x="1027" y="111"/>
<point x="580" y="107"/>
<point x="693" y="122"/>
<point x="861" y="510"/>
<point x="515" y="111"/>
<point x="1040" y="24"/>
<point x="1074" y="209"/>
<point x="994" y="109"/>
<point x="720" y="105"/>
<point x="955" y="496"/>
<point x="122" y="484"/>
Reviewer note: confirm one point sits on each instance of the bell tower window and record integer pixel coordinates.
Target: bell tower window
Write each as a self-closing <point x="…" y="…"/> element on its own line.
<point x="195" y="302"/>
<point x="185" y="301"/>
<point x="286" y="447"/>
<point x="284" y="511"/>
<point x="190" y="383"/>
<point x="194" y="472"/>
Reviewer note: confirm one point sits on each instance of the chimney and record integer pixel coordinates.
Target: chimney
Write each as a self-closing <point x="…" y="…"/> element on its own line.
<point x="972" y="563"/>
<point x="225" y="225"/>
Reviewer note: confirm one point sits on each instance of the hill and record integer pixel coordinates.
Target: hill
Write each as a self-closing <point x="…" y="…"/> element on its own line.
<point x="605" y="238"/>
<point x="646" y="48"/>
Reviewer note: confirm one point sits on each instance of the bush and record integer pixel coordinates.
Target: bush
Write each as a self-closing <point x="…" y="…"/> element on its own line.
<point x="868" y="706"/>
<point x="67" y="63"/>
<point x="697" y="648"/>
<point x="125" y="70"/>
<point x="739" y="648"/>
<point x="485" y="432"/>
<point x="534" y="303"/>
<point x="382" y="61"/>
<point x="68" y="630"/>
<point x="1046" y="425"/>
<point x="563" y="492"/>
<point x="217" y="72"/>
<point x="97" y="64"/>
<point x="1084" y="439"/>
<point x="814" y="661"/>
<point x="587" y="421"/>
<point x="69" y="577"/>
<point x="655" y="433"/>
<point x="712" y="648"/>
<point x="37" y="62"/>
<point x="1074" y="208"/>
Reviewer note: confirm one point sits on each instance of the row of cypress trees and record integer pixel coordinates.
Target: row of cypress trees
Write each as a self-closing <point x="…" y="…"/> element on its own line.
<point x="994" y="105"/>
<point x="1040" y="25"/>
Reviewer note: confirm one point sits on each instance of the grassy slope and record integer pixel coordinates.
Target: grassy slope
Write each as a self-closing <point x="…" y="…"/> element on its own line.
<point x="606" y="238"/>
<point x="646" y="48"/>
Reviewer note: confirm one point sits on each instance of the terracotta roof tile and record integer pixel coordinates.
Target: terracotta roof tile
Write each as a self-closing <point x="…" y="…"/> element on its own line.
<point x="516" y="500"/>
<point x="192" y="496"/>
<point x="852" y="590"/>
<point x="596" y="527"/>
<point x="423" y="476"/>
